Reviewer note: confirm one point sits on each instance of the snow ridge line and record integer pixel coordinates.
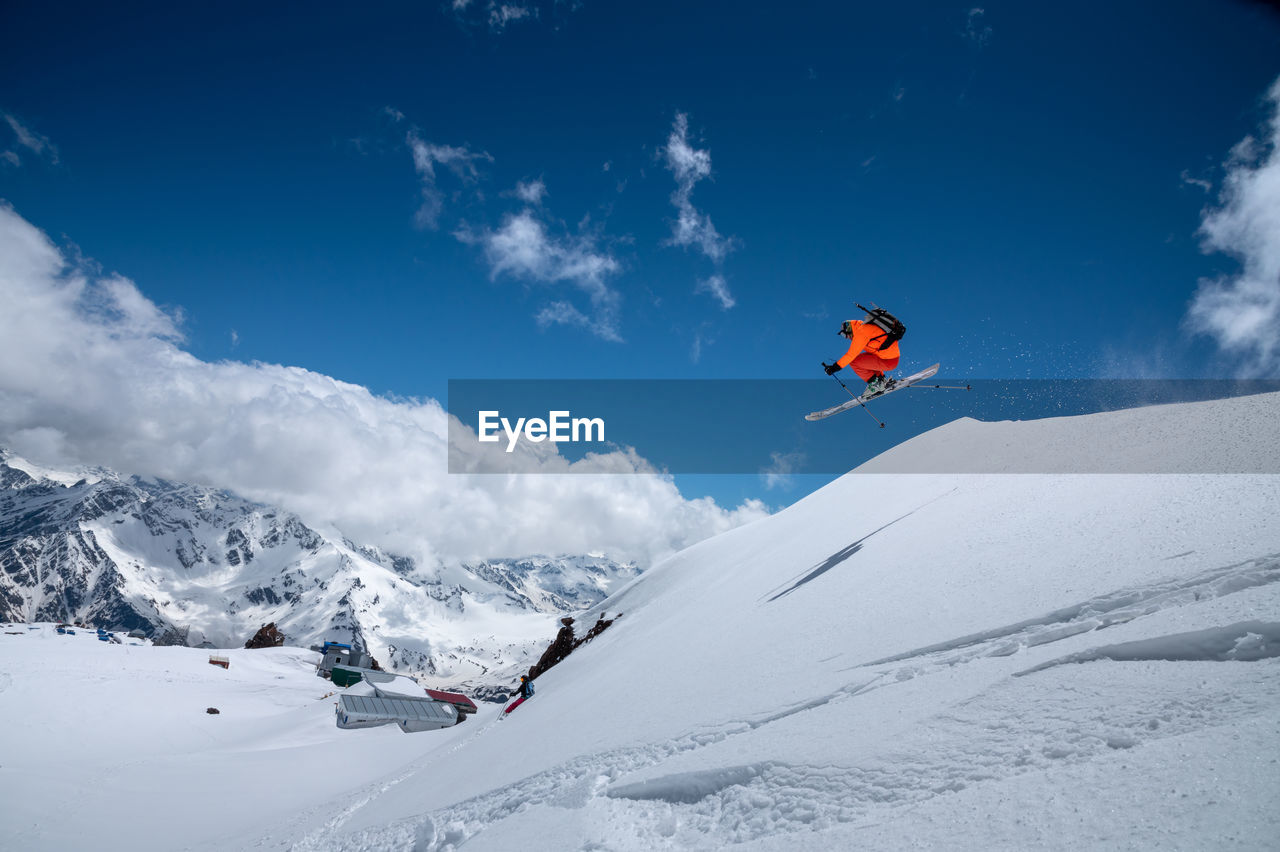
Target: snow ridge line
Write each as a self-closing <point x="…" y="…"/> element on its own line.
<point x="1101" y="612"/>
<point x="1244" y="641"/>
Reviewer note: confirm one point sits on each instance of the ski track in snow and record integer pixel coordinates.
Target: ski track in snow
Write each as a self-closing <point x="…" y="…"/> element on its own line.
<point x="737" y="804"/>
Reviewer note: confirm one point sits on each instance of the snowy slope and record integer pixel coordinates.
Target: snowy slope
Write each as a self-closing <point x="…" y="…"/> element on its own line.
<point x="853" y="660"/>
<point x="959" y="661"/>
<point x="110" y="746"/>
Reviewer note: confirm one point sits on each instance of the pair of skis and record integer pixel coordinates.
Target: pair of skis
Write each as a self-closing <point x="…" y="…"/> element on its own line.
<point x="897" y="385"/>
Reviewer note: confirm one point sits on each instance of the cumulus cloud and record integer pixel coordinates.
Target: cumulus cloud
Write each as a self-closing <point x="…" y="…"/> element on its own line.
<point x="24" y="137"/>
<point x="1242" y="311"/>
<point x="461" y="161"/>
<point x="92" y="372"/>
<point x="523" y="248"/>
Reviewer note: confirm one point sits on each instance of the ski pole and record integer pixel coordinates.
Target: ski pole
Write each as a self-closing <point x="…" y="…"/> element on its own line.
<point x="941" y="387"/>
<point x="856" y="398"/>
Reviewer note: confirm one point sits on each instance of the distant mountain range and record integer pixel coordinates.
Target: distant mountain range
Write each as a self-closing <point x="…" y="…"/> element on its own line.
<point x="100" y="548"/>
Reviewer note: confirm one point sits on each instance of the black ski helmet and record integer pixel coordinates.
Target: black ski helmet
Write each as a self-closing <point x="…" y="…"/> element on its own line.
<point x="846" y="328"/>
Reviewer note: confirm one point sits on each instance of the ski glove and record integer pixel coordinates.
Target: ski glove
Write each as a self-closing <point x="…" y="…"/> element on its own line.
<point x="831" y="369"/>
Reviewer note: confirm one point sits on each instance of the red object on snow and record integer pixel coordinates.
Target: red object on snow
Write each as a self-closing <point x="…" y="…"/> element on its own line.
<point x="457" y="699"/>
<point x="514" y="704"/>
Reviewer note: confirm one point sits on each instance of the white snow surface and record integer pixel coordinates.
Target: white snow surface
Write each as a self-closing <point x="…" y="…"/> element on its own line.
<point x="925" y="661"/>
<point x="1237" y="435"/>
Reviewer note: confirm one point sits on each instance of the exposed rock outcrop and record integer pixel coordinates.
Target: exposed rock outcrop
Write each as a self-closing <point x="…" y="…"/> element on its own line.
<point x="560" y="648"/>
<point x="266" y="637"/>
<point x="565" y="643"/>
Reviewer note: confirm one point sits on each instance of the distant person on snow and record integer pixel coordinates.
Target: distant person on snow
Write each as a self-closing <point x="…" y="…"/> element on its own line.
<point x="525" y="691"/>
<point x="873" y="350"/>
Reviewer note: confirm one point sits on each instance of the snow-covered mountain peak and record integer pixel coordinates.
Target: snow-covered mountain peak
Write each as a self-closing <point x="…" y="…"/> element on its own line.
<point x="88" y="475"/>
<point x="154" y="554"/>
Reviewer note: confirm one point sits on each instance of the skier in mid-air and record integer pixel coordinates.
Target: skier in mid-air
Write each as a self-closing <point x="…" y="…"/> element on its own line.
<point x="873" y="350"/>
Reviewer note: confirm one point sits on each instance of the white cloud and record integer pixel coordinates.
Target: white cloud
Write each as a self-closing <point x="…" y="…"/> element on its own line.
<point x="91" y="372"/>
<point x="690" y="165"/>
<point x="523" y="249"/>
<point x="719" y="288"/>
<point x="1200" y="183"/>
<point x="531" y="192"/>
<point x="29" y="139"/>
<point x="426" y="156"/>
<point x="501" y="14"/>
<point x="976" y="31"/>
<point x="564" y="313"/>
<point x="496" y="15"/>
<point x="11" y="158"/>
<point x="778" y="473"/>
<point x="694" y="228"/>
<point x="1242" y="311"/>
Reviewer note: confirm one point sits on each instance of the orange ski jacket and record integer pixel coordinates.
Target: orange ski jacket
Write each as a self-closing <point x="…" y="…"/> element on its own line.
<point x="868" y="336"/>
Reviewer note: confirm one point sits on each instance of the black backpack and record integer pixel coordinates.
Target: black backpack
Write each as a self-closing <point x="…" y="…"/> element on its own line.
<point x="892" y="327"/>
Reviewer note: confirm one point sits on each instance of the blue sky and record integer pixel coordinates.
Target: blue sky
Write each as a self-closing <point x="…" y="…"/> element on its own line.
<point x="394" y="197"/>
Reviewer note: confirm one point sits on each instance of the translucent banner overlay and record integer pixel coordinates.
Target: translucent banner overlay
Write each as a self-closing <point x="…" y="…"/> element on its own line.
<point x="758" y="427"/>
